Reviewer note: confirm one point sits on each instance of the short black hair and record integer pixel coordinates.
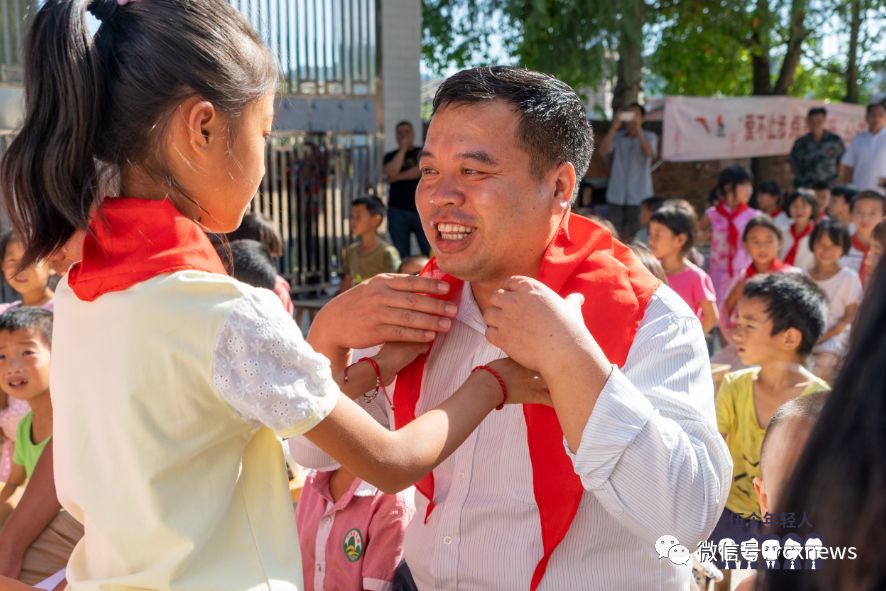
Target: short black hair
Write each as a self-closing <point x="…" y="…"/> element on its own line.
<point x="847" y="192"/>
<point x="837" y="231"/>
<point x="679" y="217"/>
<point x="807" y="196"/>
<point x="653" y="203"/>
<point x="792" y="301"/>
<point x="402" y="123"/>
<point x="28" y="318"/>
<point x="372" y="203"/>
<point x="872" y="106"/>
<point x="817" y="111"/>
<point x="553" y="126"/>
<point x="252" y="264"/>
<point x="761" y="221"/>
<point x="872" y="195"/>
<point x="257" y="226"/>
<point x="820" y="185"/>
<point x="637" y="106"/>
<point x="731" y="176"/>
<point x="770" y="188"/>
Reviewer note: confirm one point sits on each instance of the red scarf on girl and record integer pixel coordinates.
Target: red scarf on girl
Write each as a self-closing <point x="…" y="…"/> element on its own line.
<point x="792" y="253"/>
<point x="775" y="266"/>
<point x="733" y="235"/>
<point x="583" y="257"/>
<point x="132" y="240"/>
<point x="864" y="249"/>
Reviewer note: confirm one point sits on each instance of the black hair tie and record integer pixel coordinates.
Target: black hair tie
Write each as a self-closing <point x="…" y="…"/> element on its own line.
<point x="103" y="10"/>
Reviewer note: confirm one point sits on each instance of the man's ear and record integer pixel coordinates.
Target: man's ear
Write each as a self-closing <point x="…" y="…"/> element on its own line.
<point x="564" y="180"/>
<point x="760" y="489"/>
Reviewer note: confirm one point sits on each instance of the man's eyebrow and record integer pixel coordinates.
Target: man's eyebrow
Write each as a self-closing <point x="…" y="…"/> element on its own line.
<point x="477" y="155"/>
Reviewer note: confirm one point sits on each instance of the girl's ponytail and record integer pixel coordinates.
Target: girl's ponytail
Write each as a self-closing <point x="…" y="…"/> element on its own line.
<point x="48" y="175"/>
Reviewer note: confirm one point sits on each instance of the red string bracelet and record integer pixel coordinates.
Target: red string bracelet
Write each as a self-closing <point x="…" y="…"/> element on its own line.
<point x="501" y="382"/>
<point x="369" y="397"/>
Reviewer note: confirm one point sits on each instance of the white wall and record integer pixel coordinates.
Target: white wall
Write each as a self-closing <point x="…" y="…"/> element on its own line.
<point x="400" y="53"/>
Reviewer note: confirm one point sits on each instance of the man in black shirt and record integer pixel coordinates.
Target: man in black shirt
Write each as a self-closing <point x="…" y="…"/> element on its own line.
<point x="402" y="172"/>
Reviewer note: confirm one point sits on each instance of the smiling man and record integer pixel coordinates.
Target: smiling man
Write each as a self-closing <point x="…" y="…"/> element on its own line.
<point x="514" y="507"/>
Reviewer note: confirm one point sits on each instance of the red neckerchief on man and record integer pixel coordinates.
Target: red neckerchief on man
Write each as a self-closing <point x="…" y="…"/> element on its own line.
<point x="583" y="257"/>
<point x="774" y="267"/>
<point x="797" y="237"/>
<point x="132" y="240"/>
<point x="864" y="249"/>
<point x="732" y="234"/>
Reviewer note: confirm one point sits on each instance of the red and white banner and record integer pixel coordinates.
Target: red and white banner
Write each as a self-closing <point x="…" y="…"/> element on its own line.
<point x="697" y="128"/>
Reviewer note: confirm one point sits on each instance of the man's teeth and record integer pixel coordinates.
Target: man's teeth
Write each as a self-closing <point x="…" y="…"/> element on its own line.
<point x="453" y="231"/>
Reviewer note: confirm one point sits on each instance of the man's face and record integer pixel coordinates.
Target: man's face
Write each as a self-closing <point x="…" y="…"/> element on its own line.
<point x="405" y="135"/>
<point x="816" y="123"/>
<point x="487" y="214"/>
<point x="876" y="118"/>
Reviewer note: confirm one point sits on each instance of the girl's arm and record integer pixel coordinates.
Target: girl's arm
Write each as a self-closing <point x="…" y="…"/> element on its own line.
<point x="390" y="359"/>
<point x="393" y="460"/>
<point x="840" y="326"/>
<point x="709" y="315"/>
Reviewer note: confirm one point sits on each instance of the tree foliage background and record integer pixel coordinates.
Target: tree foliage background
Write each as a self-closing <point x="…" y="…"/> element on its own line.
<point x="826" y="49"/>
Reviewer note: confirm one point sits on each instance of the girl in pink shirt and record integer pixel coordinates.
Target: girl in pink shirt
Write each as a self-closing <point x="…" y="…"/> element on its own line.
<point x="724" y="223"/>
<point x="672" y="231"/>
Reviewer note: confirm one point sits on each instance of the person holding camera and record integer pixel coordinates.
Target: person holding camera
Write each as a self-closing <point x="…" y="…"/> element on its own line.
<point x="630" y="150"/>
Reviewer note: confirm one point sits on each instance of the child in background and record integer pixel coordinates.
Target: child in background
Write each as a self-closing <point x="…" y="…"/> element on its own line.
<point x="839" y="208"/>
<point x="762" y="239"/>
<point x="780" y="318"/>
<point x="822" y="192"/>
<point x="25" y="337"/>
<point x="369" y="255"/>
<point x="32" y="284"/>
<point x="878" y="245"/>
<point x="413" y="265"/>
<point x="647" y="207"/>
<point x="724" y="223"/>
<point x="645" y="256"/>
<point x="350" y="533"/>
<point x="803" y="209"/>
<point x="769" y="200"/>
<point x="785" y="437"/>
<point x="672" y="232"/>
<point x="256" y="226"/>
<point x="868" y="208"/>
<point x="250" y="262"/>
<point x="830" y="241"/>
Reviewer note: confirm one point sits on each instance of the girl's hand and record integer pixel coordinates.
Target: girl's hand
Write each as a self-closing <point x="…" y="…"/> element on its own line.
<point x="385" y="308"/>
<point x="524" y="385"/>
<point x="395" y="356"/>
<point x="533" y="325"/>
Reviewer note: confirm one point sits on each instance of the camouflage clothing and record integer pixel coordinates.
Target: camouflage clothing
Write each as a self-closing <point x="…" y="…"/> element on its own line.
<point x="816" y="161"/>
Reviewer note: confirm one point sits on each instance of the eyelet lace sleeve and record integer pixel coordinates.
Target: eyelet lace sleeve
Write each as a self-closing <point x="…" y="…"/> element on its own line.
<point x="266" y="371"/>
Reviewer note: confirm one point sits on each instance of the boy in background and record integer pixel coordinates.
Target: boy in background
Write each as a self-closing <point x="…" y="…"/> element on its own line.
<point x="780" y="318"/>
<point x="369" y="255"/>
<point x="868" y="208"/>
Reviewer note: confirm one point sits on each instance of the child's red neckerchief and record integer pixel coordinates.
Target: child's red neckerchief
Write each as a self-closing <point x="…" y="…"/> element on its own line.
<point x="792" y="253"/>
<point x="732" y="233"/>
<point x="864" y="249"/>
<point x="774" y="267"/>
<point x="132" y="240"/>
<point x="583" y="257"/>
